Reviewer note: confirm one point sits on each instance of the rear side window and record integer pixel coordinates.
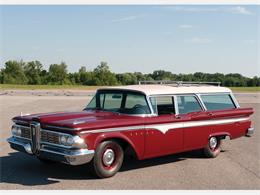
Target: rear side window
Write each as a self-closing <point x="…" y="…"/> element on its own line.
<point x="218" y="102"/>
<point x="163" y="105"/>
<point x="188" y="103"/>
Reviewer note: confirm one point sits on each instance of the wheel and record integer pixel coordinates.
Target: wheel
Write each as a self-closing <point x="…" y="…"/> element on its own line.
<point x="108" y="159"/>
<point x="213" y="147"/>
<point x="46" y="161"/>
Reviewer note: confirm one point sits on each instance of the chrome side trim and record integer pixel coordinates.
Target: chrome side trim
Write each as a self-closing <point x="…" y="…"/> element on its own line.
<point x="165" y="127"/>
<point x="114" y="129"/>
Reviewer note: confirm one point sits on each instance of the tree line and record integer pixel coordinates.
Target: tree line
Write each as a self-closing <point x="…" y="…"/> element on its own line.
<point x="33" y="73"/>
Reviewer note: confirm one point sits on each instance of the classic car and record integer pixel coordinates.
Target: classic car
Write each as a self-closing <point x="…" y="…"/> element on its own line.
<point x="147" y="120"/>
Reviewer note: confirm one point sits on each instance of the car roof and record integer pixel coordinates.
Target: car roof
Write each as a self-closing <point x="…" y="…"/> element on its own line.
<point x="167" y="89"/>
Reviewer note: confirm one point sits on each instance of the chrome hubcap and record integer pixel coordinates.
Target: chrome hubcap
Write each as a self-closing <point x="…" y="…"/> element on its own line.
<point x="213" y="142"/>
<point x="108" y="157"/>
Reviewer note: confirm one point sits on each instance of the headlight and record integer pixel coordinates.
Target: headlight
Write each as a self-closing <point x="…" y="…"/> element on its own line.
<point x="72" y="141"/>
<point x="63" y="140"/>
<point x="16" y="130"/>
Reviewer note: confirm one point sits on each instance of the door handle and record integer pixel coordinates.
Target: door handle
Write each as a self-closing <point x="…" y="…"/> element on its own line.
<point x="210" y="114"/>
<point x="178" y="117"/>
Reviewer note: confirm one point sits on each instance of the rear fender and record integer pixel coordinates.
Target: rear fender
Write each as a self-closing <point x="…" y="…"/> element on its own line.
<point x="222" y="135"/>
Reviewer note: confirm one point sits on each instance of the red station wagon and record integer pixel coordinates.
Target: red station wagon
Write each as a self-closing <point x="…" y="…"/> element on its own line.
<point x="150" y="120"/>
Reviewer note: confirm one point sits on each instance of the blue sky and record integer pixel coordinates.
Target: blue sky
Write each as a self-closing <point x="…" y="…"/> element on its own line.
<point x="181" y="39"/>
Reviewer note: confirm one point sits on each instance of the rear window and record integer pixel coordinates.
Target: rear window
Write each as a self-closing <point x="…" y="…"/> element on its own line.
<point x="218" y="102"/>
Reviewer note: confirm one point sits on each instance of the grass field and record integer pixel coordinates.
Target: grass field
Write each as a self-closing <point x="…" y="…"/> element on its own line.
<point x="245" y="89"/>
<point x="82" y="87"/>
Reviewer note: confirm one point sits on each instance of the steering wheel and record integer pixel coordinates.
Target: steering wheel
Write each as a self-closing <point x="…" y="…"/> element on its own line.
<point x="137" y="106"/>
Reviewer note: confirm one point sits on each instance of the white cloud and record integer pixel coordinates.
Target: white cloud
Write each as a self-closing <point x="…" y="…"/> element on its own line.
<point x="128" y="18"/>
<point x="240" y="10"/>
<point x="185" y="26"/>
<point x="199" y="40"/>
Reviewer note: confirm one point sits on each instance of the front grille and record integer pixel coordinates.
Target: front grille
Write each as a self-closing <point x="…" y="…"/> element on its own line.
<point x="50" y="137"/>
<point x="25" y="132"/>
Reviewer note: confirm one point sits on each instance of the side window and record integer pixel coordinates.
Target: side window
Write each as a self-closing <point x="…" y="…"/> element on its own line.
<point x="188" y="103"/>
<point x="217" y="102"/>
<point x="137" y="103"/>
<point x="163" y="105"/>
<point x="132" y="100"/>
<point x="93" y="103"/>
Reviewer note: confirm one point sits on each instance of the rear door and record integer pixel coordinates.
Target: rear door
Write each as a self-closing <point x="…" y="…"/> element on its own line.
<point x="194" y="116"/>
<point x="163" y="132"/>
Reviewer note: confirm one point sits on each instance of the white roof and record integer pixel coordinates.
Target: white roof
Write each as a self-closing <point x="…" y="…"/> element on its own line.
<point x="166" y="89"/>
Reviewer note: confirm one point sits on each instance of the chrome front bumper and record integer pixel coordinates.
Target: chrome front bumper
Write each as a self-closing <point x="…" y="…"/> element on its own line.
<point x="68" y="156"/>
<point x="250" y="131"/>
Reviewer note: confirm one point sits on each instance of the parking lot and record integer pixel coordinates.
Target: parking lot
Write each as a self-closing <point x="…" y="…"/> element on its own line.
<point x="237" y="167"/>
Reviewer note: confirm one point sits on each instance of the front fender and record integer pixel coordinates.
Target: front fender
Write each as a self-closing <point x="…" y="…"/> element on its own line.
<point x="138" y="148"/>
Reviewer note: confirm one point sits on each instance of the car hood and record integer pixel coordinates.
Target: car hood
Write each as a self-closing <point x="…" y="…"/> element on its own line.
<point x="84" y="120"/>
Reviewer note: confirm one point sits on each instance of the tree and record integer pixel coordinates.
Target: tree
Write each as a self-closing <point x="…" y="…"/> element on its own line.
<point x="13" y="73"/>
<point x="103" y="76"/>
<point x="85" y="77"/>
<point x="33" y="72"/>
<point x="126" y="78"/>
<point x="255" y="81"/>
<point x="161" y="75"/>
<point x="1" y="76"/>
<point x="58" y="74"/>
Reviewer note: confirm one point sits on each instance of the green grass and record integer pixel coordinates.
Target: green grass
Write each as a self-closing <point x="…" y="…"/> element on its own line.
<point x="46" y="87"/>
<point x="82" y="87"/>
<point x="245" y="89"/>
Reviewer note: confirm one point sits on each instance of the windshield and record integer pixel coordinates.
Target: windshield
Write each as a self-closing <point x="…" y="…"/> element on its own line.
<point x="119" y="101"/>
